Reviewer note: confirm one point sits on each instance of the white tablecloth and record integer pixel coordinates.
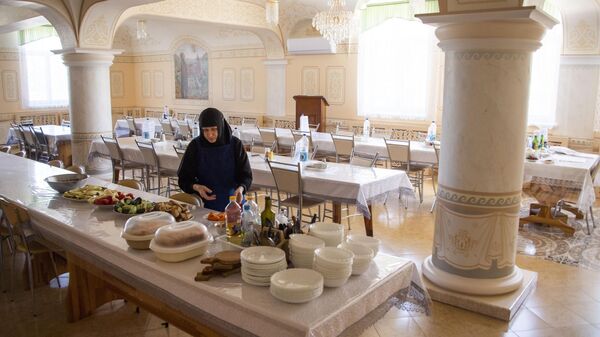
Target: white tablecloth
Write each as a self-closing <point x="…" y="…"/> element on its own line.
<point x="575" y="170"/>
<point x="227" y="304"/>
<point x="122" y="128"/>
<point x="339" y="182"/>
<point x="54" y="134"/>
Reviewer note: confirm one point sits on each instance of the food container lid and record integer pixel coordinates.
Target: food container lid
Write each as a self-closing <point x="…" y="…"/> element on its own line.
<point x="143" y="226"/>
<point x="180" y="236"/>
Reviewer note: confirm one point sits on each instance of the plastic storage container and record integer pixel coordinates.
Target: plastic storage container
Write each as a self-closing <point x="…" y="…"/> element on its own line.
<point x="180" y="241"/>
<point x="139" y="230"/>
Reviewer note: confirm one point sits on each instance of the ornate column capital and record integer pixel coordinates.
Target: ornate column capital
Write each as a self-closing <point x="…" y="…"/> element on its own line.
<point x="514" y="29"/>
<point x="78" y="57"/>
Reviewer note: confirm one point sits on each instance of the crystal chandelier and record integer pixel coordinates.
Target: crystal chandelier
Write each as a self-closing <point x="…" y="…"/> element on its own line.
<point x="272" y="11"/>
<point x="141" y="33"/>
<point x="336" y="23"/>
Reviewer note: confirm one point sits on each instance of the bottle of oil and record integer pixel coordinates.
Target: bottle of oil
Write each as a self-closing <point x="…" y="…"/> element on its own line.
<point x="233" y="218"/>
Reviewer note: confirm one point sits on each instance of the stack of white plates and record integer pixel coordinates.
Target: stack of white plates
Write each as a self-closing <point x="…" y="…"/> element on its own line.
<point x="302" y="249"/>
<point x="335" y="264"/>
<point x="331" y="233"/>
<point x="366" y="241"/>
<point x="259" y="263"/>
<point x="296" y="285"/>
<point x="362" y="257"/>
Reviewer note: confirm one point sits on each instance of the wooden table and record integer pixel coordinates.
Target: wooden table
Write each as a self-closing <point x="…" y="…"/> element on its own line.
<point x="103" y="267"/>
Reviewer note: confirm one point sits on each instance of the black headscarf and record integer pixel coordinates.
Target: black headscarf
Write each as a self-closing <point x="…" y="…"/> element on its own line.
<point x="213" y="117"/>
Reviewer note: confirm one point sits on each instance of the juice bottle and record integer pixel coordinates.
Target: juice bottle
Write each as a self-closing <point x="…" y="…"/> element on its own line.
<point x="233" y="218"/>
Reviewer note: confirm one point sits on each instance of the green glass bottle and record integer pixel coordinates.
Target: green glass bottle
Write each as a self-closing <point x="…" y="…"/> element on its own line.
<point x="267" y="217"/>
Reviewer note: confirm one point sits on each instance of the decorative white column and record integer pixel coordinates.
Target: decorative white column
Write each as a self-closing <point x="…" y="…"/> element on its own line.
<point x="90" y="101"/>
<point x="486" y="88"/>
<point x="275" y="87"/>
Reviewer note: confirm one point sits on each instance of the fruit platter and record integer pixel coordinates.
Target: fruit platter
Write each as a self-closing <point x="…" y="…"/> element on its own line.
<point x="84" y="193"/>
<point x="133" y="206"/>
<point x="109" y="197"/>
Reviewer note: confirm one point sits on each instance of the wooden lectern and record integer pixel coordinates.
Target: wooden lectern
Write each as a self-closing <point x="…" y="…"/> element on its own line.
<point x="315" y="107"/>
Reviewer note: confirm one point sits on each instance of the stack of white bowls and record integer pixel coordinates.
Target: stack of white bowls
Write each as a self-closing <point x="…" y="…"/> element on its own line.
<point x="302" y="249"/>
<point x="335" y="264"/>
<point x="331" y="233"/>
<point x="363" y="240"/>
<point x="363" y="256"/>
<point x="296" y="285"/>
<point x="260" y="263"/>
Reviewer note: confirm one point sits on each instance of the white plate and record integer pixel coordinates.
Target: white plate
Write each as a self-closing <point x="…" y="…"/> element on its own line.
<point x="295" y="298"/>
<point x="251" y="281"/>
<point x="262" y="255"/>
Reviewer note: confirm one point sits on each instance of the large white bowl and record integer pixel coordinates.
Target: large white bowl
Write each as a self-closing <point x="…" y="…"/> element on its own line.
<point x="364" y="240"/>
<point x="297" y="280"/>
<point x="334" y="255"/>
<point x="363" y="256"/>
<point x="303" y="241"/>
<point x="331" y="233"/>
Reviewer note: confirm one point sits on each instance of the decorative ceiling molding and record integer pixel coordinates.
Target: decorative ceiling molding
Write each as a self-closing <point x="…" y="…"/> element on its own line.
<point x="293" y="13"/>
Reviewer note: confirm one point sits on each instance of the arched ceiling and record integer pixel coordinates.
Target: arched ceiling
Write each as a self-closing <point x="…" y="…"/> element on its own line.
<point x="211" y="35"/>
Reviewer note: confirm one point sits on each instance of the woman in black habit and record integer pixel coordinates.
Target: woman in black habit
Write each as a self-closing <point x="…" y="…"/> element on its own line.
<point x="215" y="164"/>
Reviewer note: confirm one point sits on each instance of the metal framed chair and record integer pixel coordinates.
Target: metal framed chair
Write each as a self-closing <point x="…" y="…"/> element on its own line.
<point x="288" y="180"/>
<point x="344" y="147"/>
<point x="132" y="183"/>
<point x="187" y="198"/>
<point x="285" y="142"/>
<point x="133" y="130"/>
<point x="399" y="156"/>
<point x="179" y="152"/>
<point x="118" y="163"/>
<point x="27" y="243"/>
<point x="268" y="136"/>
<point x="357" y="160"/>
<point x="45" y="153"/>
<point x="154" y="169"/>
<point x="30" y="142"/>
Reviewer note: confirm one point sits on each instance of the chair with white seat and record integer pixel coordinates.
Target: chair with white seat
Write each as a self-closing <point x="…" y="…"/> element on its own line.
<point x="180" y="152"/>
<point x="154" y="169"/>
<point x="133" y="130"/>
<point x="399" y="156"/>
<point x="288" y="180"/>
<point x="268" y="136"/>
<point x="187" y="198"/>
<point x="131" y="183"/>
<point x="344" y="147"/>
<point x="324" y="145"/>
<point x="285" y="140"/>
<point x="30" y="142"/>
<point x="117" y="160"/>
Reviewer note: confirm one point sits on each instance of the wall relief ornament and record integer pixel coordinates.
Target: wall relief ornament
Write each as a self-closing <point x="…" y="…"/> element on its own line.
<point x="98" y="33"/>
<point x="582" y="37"/>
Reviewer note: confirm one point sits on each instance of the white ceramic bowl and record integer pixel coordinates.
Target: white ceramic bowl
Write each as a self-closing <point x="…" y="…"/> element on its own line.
<point x="331" y="233"/>
<point x="334" y="255"/>
<point x="262" y="255"/>
<point x="306" y="242"/>
<point x="363" y="256"/>
<point x="297" y="280"/>
<point x="364" y="240"/>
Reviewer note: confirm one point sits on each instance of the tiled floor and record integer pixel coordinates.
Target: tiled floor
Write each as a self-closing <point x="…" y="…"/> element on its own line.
<point x="565" y="303"/>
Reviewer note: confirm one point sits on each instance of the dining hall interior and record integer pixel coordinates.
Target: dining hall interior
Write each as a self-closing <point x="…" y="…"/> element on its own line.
<point x="421" y="168"/>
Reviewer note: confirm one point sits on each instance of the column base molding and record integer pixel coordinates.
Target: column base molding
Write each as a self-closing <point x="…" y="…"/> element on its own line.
<point x="472" y="286"/>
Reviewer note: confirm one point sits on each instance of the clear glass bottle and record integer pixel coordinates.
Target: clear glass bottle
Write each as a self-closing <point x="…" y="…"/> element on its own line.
<point x="233" y="218"/>
<point x="366" y="128"/>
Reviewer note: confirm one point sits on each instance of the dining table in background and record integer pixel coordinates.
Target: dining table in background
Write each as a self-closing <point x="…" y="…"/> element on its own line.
<point x="103" y="268"/>
<point x="339" y="182"/>
<point x="59" y="140"/>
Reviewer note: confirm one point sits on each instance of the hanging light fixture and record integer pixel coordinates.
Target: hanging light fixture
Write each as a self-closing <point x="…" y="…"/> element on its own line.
<point x="141" y="30"/>
<point x="336" y="23"/>
<point x="272" y="11"/>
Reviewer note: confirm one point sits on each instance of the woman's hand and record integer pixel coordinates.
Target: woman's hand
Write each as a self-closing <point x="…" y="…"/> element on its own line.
<point x="204" y="192"/>
<point x="239" y="194"/>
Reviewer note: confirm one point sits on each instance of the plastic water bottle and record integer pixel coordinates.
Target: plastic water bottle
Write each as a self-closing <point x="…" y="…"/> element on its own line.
<point x="303" y="148"/>
<point x="147" y="128"/>
<point x="248" y="225"/>
<point x="431" y="132"/>
<point x="254" y="208"/>
<point x="233" y="217"/>
<point x="366" y="128"/>
<point x="195" y="130"/>
<point x="236" y="133"/>
<point x="165" y="112"/>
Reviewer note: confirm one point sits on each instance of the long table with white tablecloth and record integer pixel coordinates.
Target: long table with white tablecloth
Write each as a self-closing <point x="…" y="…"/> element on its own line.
<point x="225" y="306"/>
<point x="341" y="183"/>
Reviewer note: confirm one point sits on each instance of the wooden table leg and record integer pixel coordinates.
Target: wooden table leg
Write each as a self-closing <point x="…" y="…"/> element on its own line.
<point x="337" y="212"/>
<point x="86" y="291"/>
<point x="369" y="223"/>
